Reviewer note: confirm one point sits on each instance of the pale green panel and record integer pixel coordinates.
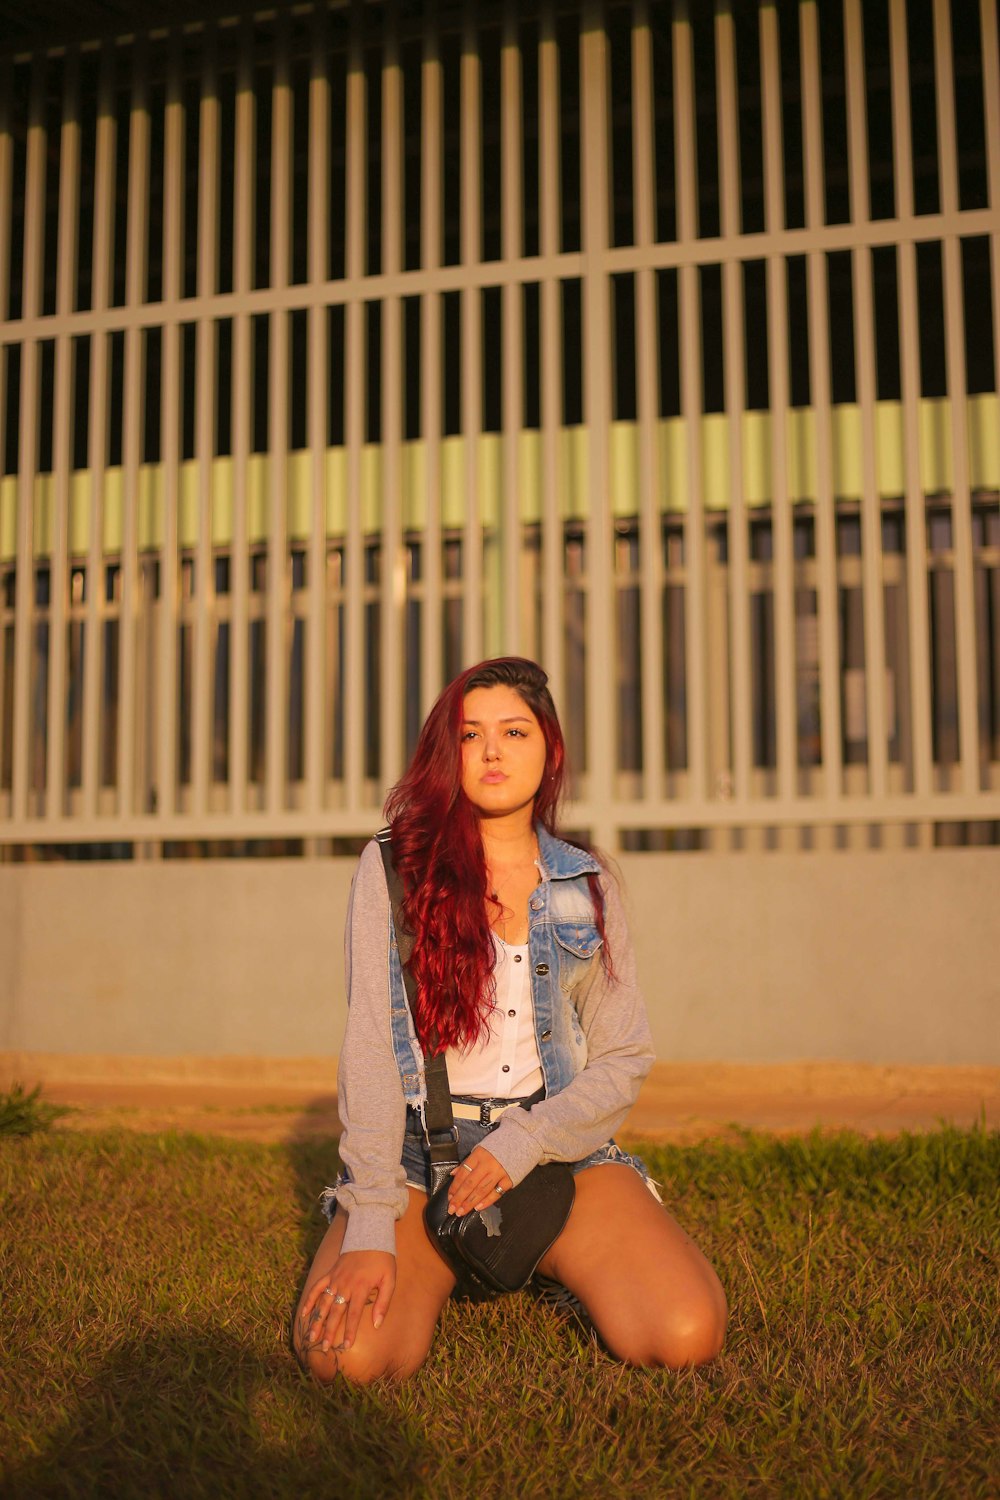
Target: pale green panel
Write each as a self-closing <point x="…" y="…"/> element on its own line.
<point x="714" y="461"/>
<point x="802" y="472"/>
<point x="79" y="511"/>
<point x="222" y="501"/>
<point x="336" y="491"/>
<point x="44" y="498"/>
<point x="529" y="475"/>
<point x="371" y="487"/>
<point x="890" y="448"/>
<point x="757" y="476"/>
<point x="149" y="506"/>
<point x="453" y="481"/>
<point x="414" y="477"/>
<point x="625" y="484"/>
<point x="672" y="458"/>
<point x="114" y="496"/>
<point x="984" y="441"/>
<point x="8" y="517"/>
<point x="846" y="424"/>
<point x="935" y="445"/>
<point x="258" y="486"/>
<point x="573" y="469"/>
<point x="490" y="477"/>
<point x="187" y="504"/>
<point x="299" y="479"/>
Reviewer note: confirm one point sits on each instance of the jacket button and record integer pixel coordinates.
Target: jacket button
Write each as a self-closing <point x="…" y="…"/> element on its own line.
<point x="541" y="968"/>
<point x="546" y="1035"/>
<point x="536" y="905"/>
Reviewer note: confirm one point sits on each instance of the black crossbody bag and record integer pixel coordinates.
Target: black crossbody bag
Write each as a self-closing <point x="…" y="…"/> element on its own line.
<point x="497" y="1249"/>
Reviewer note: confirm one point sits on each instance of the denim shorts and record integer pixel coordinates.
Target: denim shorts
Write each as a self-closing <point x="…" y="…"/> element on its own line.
<point x="417" y="1164"/>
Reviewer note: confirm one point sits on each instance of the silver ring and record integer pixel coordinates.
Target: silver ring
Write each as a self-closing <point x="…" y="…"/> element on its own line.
<point x="339" y="1300"/>
<point x="499" y="1190"/>
<point x="465" y="1164"/>
<point x="328" y="1290"/>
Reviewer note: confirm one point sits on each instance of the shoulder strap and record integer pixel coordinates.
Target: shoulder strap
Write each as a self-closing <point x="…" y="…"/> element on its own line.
<point x="442" y="1137"/>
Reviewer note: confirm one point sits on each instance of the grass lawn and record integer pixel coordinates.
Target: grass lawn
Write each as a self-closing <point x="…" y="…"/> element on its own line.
<point x="148" y="1283"/>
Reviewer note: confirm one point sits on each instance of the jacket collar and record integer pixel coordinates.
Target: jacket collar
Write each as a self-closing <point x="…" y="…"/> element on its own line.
<point x="562" y="861"/>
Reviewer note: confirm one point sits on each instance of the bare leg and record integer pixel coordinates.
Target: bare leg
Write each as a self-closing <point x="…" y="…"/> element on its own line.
<point x="650" y="1292"/>
<point x="400" y="1346"/>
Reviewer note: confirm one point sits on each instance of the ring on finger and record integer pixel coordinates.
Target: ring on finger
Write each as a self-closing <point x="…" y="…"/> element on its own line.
<point x="328" y="1291"/>
<point x="465" y="1164"/>
<point x="339" y="1300"/>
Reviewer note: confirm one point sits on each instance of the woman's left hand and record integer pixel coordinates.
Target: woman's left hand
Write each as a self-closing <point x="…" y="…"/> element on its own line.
<point x="476" y="1182"/>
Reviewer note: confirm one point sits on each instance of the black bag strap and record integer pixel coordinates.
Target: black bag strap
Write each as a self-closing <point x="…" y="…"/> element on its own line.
<point x="442" y="1136"/>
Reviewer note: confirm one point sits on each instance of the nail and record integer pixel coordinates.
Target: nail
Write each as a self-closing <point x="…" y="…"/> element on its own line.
<point x="325" y="1346"/>
<point x="377" y="1321"/>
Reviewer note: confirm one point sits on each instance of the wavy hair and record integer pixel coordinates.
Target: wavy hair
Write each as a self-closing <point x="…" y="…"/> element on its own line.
<point x="438" y="851"/>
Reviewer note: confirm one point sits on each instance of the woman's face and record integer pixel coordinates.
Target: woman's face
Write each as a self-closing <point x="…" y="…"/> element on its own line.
<point x="503" y="751"/>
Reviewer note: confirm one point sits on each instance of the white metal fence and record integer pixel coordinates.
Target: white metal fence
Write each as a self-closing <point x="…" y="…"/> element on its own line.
<point x="343" y="346"/>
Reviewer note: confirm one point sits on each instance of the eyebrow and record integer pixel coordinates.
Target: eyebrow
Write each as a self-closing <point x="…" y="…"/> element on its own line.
<point x="514" y="719"/>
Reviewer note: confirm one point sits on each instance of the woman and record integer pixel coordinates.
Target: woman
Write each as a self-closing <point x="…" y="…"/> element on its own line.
<point x="524" y="971"/>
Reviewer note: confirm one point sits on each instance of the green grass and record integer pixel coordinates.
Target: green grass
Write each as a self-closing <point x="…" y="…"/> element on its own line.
<point x="27" y="1114"/>
<point x="148" y="1283"/>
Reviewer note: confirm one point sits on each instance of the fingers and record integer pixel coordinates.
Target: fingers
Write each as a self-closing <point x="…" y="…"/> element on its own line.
<point x="477" y="1182"/>
<point x="332" y="1309"/>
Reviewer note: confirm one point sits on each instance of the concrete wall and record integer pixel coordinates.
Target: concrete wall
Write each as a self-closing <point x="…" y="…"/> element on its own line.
<point x="864" y="957"/>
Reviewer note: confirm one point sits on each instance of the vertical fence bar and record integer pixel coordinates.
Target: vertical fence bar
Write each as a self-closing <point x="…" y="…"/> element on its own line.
<point x="734" y="363"/>
<point x="961" y="495"/>
<point x="909" y="365"/>
<point x="988" y="30"/>
<point x="132" y="421"/>
<point x="6" y="220"/>
<point x="317" y="323"/>
<point x="204" y="434"/>
<point x="551" y="403"/>
<point x="25" y="607"/>
<point x="864" y="346"/>
<point x="356" y="359"/>
<point x="513" y="325"/>
<point x="431" y="363"/>
<point x="778" y="401"/>
<point x="69" y="200"/>
<point x="393" y="601"/>
<point x="97" y="446"/>
<point x="472" y="339"/>
<point x="600" y="630"/>
<point x="691" y="364"/>
<point x="170" y="440"/>
<point x="6" y="191"/>
<point x="278" y="593"/>
<point x="647" y="323"/>
<point x="820" y="398"/>
<point x="244" y="217"/>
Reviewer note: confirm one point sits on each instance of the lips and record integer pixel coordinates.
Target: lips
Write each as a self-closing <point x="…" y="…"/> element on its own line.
<point x="494" y="778"/>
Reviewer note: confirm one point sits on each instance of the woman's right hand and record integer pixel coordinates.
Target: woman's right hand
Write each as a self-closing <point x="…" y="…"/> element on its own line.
<point x="332" y="1307"/>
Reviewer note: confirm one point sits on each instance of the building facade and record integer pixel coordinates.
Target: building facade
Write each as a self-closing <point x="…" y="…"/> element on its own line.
<point x="342" y="345"/>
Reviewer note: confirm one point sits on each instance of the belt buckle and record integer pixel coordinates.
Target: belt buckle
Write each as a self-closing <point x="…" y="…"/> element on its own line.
<point x="484" y="1113"/>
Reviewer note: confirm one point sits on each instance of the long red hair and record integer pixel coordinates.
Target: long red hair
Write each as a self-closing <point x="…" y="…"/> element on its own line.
<point x="438" y="851"/>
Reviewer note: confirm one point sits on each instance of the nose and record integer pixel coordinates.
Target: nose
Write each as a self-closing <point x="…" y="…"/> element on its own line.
<point x="491" y="746"/>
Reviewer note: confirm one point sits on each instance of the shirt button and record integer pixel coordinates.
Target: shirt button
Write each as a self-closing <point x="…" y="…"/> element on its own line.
<point x="512" y="1012"/>
<point x="505" y="1068"/>
<point x="517" y="958"/>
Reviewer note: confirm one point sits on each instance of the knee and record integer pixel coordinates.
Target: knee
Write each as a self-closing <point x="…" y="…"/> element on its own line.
<point x="362" y="1366"/>
<point x="681" y="1338"/>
